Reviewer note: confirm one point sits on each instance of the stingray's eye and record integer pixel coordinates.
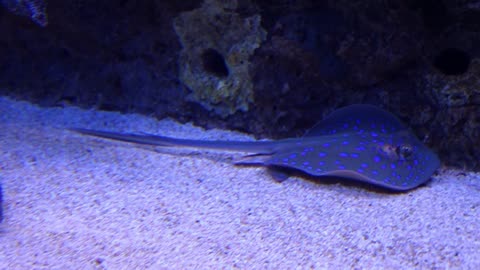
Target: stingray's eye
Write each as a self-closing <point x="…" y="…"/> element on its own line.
<point x="404" y="151"/>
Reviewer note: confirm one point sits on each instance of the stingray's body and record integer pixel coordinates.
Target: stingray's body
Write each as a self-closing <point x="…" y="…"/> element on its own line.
<point x="360" y="142"/>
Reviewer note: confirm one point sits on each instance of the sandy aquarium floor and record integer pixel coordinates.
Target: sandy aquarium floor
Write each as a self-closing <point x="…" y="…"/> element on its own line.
<point x="77" y="202"/>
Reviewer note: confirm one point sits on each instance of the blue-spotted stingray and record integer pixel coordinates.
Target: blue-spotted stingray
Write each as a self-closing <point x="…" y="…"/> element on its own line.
<point x="360" y="142"/>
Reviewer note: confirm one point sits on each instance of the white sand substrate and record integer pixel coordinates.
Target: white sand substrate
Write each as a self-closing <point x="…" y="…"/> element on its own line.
<point x="78" y="202"/>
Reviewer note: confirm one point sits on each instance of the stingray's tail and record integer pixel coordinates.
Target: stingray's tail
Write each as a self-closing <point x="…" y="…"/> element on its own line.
<point x="260" y="147"/>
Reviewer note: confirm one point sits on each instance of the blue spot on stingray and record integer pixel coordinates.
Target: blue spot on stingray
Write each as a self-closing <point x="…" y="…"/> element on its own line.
<point x="360" y="170"/>
<point x="374" y="172"/>
<point x="345" y="142"/>
<point x="392" y="165"/>
<point x="293" y="155"/>
<point x="322" y="154"/>
<point x="343" y="154"/>
<point x="360" y="148"/>
<point x="321" y="163"/>
<point x="341" y="167"/>
<point x="306" y="163"/>
<point x="376" y="159"/>
<point x="374" y="134"/>
<point x="307" y="150"/>
<point x="354" y="155"/>
<point x="326" y="145"/>
<point x="364" y="165"/>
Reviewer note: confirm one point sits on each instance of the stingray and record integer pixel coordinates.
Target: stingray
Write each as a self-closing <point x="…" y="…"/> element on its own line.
<point x="359" y="142"/>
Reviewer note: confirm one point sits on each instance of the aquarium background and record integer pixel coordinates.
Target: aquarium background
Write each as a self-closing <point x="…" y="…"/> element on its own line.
<point x="196" y="69"/>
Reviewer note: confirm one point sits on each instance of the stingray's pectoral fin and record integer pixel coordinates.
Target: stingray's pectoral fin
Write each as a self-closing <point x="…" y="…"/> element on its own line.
<point x="277" y="173"/>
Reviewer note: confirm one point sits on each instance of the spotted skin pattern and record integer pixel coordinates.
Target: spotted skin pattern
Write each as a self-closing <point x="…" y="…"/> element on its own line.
<point x="360" y="142"/>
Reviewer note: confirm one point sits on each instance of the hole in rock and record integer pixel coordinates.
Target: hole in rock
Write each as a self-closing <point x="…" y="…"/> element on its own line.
<point x="214" y="63"/>
<point x="452" y="61"/>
